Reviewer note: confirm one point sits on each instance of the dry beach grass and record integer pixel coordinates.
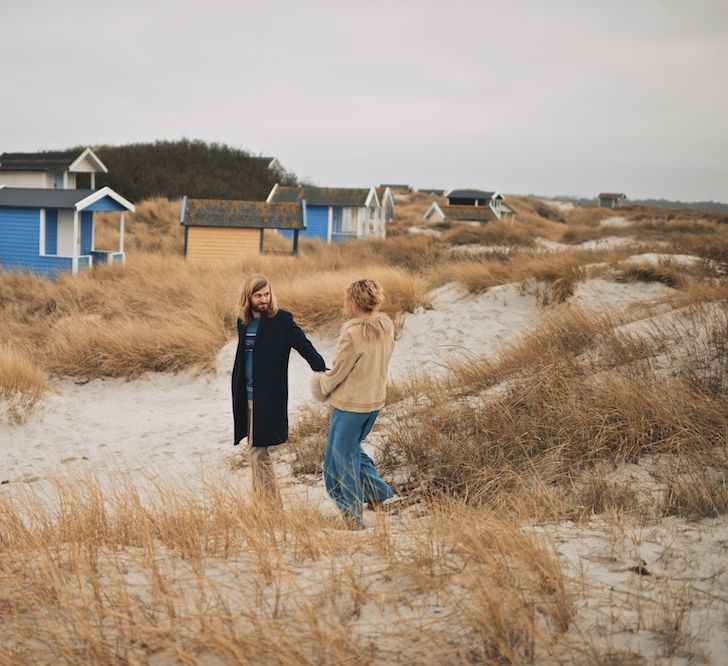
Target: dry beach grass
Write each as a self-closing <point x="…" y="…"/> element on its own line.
<point x="22" y="383"/>
<point x="111" y="577"/>
<point x="571" y="488"/>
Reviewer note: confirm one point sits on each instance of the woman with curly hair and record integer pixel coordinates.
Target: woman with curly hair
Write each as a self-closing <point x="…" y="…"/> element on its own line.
<point x="356" y="387"/>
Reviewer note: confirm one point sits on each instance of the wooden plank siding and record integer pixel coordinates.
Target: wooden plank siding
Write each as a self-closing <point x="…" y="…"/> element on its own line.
<point x="26" y="179"/>
<point x="206" y="244"/>
<point x="20" y="243"/>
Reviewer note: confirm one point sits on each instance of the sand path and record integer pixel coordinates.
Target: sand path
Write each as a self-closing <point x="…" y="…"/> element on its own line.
<point x="163" y="424"/>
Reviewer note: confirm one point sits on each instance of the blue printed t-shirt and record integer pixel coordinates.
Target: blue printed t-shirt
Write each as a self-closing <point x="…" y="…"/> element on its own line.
<point x="251" y="331"/>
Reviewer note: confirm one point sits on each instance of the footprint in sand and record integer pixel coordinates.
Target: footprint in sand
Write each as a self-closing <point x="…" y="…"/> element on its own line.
<point x="65" y="461"/>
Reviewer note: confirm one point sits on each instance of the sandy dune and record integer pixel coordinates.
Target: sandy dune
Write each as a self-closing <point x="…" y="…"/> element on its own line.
<point x="179" y="426"/>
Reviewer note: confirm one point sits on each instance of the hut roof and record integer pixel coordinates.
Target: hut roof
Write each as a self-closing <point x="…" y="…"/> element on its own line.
<point x="47" y="160"/>
<point x="242" y="214"/>
<point x="469" y="213"/>
<point x="42" y="197"/>
<point x="471" y="194"/>
<point x="321" y="196"/>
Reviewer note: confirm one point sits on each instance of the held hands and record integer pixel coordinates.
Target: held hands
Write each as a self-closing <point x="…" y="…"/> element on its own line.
<point x="318" y="394"/>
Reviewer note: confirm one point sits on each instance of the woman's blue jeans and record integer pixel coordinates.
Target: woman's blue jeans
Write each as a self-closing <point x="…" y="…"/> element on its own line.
<point x="350" y="475"/>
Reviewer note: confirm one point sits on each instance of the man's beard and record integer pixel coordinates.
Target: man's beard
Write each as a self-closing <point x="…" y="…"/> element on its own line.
<point x="260" y="308"/>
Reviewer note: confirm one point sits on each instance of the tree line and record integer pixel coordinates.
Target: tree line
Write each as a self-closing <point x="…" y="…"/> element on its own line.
<point x="192" y="167"/>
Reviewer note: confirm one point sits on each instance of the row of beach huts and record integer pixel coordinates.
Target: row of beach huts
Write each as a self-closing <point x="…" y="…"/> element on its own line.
<point x="47" y="222"/>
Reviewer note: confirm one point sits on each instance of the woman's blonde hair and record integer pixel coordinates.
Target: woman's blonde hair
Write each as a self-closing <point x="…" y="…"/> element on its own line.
<point x="365" y="295"/>
<point x="254" y="283"/>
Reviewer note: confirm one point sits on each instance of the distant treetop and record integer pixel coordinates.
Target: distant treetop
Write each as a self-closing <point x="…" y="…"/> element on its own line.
<point x="198" y="169"/>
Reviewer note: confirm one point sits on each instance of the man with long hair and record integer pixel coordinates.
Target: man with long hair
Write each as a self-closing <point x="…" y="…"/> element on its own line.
<point x="266" y="335"/>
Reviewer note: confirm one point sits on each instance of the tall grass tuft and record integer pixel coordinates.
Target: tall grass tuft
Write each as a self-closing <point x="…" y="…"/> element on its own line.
<point x="479" y="275"/>
<point x="308" y="441"/>
<point x="22" y="383"/>
<point x="153" y="227"/>
<point x="126" y="575"/>
<point x="493" y="233"/>
<point x="651" y="273"/>
<point x="696" y="491"/>
<point x="508" y="432"/>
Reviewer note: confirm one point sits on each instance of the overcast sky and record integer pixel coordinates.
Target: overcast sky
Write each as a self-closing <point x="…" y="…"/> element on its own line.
<point x="520" y="96"/>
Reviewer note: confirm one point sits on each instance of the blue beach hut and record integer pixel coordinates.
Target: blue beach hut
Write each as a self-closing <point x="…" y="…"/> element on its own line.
<point x="335" y="214"/>
<point x="48" y="231"/>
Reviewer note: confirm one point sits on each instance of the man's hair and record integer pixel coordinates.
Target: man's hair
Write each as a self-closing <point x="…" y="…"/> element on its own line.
<point x="365" y="294"/>
<point x="255" y="283"/>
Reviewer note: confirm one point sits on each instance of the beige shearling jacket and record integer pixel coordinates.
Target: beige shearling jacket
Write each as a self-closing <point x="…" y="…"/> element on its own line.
<point x="357" y="382"/>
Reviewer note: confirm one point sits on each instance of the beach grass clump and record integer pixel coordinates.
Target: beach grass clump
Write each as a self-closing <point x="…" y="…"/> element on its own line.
<point x="89" y="348"/>
<point x="155" y="314"/>
<point x="510" y="431"/>
<point x="711" y="247"/>
<point x="670" y="225"/>
<point x="124" y="573"/>
<point x="492" y="233"/>
<point x="477" y="275"/>
<point x="483" y="450"/>
<point x="410" y="208"/>
<point x="412" y="252"/>
<point x="596" y="494"/>
<point x="548" y="210"/>
<point x="590" y="216"/>
<point x="696" y="497"/>
<point x="307" y="441"/>
<point x="696" y="493"/>
<point x="22" y="383"/>
<point x="528" y="218"/>
<point x="158" y="313"/>
<point x="318" y="299"/>
<point x="645" y="272"/>
<point x="575" y="234"/>
<point x="153" y="227"/>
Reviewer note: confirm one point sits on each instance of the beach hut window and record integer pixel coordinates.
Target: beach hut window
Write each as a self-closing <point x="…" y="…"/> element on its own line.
<point x="344" y="221"/>
<point x="338" y="215"/>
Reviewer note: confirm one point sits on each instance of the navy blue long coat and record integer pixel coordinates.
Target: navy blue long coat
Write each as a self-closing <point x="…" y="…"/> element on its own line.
<point x="276" y="337"/>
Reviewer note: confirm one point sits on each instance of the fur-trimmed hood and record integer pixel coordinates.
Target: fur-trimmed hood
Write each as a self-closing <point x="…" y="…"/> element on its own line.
<point x="357" y="382"/>
<point x="370" y="328"/>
